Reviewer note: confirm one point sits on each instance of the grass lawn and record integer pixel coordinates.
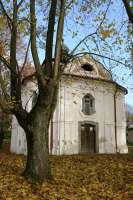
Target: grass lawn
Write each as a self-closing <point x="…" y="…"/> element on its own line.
<point x="92" y="177"/>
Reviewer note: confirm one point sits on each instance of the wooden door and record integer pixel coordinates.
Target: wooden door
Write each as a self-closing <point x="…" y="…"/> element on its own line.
<point x="88" y="138"/>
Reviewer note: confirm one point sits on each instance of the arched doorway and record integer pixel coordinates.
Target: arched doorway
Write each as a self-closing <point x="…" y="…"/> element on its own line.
<point x="88" y="137"/>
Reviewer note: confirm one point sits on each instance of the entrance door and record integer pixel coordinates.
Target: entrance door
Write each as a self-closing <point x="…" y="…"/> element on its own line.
<point x="88" y="138"/>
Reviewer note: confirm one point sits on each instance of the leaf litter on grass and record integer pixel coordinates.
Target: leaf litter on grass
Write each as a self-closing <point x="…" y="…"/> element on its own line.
<point x="77" y="177"/>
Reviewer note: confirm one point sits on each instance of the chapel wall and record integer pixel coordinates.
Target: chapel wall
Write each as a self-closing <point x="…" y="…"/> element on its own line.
<point x="18" y="138"/>
<point x="70" y="114"/>
<point x="121" y="123"/>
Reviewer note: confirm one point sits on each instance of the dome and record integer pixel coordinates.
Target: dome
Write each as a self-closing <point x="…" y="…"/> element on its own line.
<point x="86" y="66"/>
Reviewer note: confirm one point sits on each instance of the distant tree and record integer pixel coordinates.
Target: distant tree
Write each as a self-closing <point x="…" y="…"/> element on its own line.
<point x="129" y="113"/>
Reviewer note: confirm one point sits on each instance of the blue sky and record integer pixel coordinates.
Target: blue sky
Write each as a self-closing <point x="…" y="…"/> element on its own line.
<point x="129" y="98"/>
<point x="115" y="14"/>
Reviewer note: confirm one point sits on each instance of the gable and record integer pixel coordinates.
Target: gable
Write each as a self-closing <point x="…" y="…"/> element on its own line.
<point x="86" y="66"/>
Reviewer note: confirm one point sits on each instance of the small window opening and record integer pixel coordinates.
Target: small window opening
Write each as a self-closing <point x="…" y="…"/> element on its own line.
<point x="87" y="67"/>
<point x="88" y="104"/>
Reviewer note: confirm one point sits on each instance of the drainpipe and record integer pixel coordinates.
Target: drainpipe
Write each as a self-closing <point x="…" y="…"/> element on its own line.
<point x="115" y="119"/>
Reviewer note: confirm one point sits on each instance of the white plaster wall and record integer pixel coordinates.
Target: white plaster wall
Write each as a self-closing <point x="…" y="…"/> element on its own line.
<point x="18" y="140"/>
<point x="18" y="137"/>
<point x="109" y="124"/>
<point x="121" y="123"/>
<point x="70" y="113"/>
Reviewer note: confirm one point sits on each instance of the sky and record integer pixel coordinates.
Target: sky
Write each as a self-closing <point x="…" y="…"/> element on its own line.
<point x="129" y="98"/>
<point x="87" y="24"/>
<point x="117" y="14"/>
<point x="74" y="32"/>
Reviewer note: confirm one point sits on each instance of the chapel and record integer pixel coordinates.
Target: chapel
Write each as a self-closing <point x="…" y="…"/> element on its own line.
<point x="89" y="115"/>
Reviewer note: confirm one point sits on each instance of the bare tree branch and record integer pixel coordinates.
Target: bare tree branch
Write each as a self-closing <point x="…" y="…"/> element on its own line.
<point x="4" y="96"/>
<point x="71" y="2"/>
<point x="7" y="65"/>
<point x="33" y="44"/>
<point x="26" y="56"/>
<point x="4" y="88"/>
<point x="81" y="41"/>
<point x="89" y="35"/>
<point x="59" y="40"/>
<point x="97" y="49"/>
<point x="95" y="54"/>
<point x="20" y="3"/>
<point x="14" y="82"/>
<point x="104" y="16"/>
<point x="128" y="10"/>
<point x="49" y="41"/>
<point x="5" y="62"/>
<point x="17" y="108"/>
<point x="22" y="19"/>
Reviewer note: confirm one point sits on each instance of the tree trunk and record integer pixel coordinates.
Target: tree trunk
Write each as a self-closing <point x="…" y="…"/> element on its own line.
<point x="37" y="134"/>
<point x="1" y="132"/>
<point x="1" y="138"/>
<point x="38" y="165"/>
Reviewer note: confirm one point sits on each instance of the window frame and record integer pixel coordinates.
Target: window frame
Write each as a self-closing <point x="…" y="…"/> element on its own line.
<point x="88" y="104"/>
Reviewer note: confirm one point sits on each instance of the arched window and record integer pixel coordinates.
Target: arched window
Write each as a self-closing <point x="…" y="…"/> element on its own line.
<point x="88" y="104"/>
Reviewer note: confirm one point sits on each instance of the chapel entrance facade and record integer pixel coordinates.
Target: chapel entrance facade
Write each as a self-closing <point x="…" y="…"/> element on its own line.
<point x="88" y="137"/>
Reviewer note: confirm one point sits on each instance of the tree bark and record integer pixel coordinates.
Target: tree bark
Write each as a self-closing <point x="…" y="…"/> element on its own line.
<point x="37" y="134"/>
<point x="38" y="165"/>
<point x="2" y="130"/>
<point x="50" y="37"/>
<point x="1" y="137"/>
<point x="36" y="123"/>
<point x="128" y="10"/>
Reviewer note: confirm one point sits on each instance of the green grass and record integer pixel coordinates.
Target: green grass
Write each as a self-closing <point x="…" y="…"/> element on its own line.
<point x="129" y="143"/>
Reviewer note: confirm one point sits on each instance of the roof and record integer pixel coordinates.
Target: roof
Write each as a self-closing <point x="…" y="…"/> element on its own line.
<point x="123" y="89"/>
<point x="98" y="72"/>
<point x="76" y="67"/>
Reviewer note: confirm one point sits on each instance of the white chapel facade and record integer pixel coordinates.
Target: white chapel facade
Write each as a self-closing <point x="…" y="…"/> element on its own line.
<point x="89" y="116"/>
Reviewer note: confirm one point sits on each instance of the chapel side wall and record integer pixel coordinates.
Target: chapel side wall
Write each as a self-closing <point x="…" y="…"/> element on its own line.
<point x="70" y="114"/>
<point x="65" y="138"/>
<point x="18" y="138"/>
<point x="109" y="121"/>
<point x="104" y="95"/>
<point x="18" y="142"/>
<point x="121" y="123"/>
<point x="54" y="129"/>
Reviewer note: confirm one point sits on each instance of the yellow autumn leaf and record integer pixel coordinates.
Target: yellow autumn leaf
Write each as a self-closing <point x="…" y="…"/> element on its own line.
<point x="84" y="177"/>
<point x="105" y="33"/>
